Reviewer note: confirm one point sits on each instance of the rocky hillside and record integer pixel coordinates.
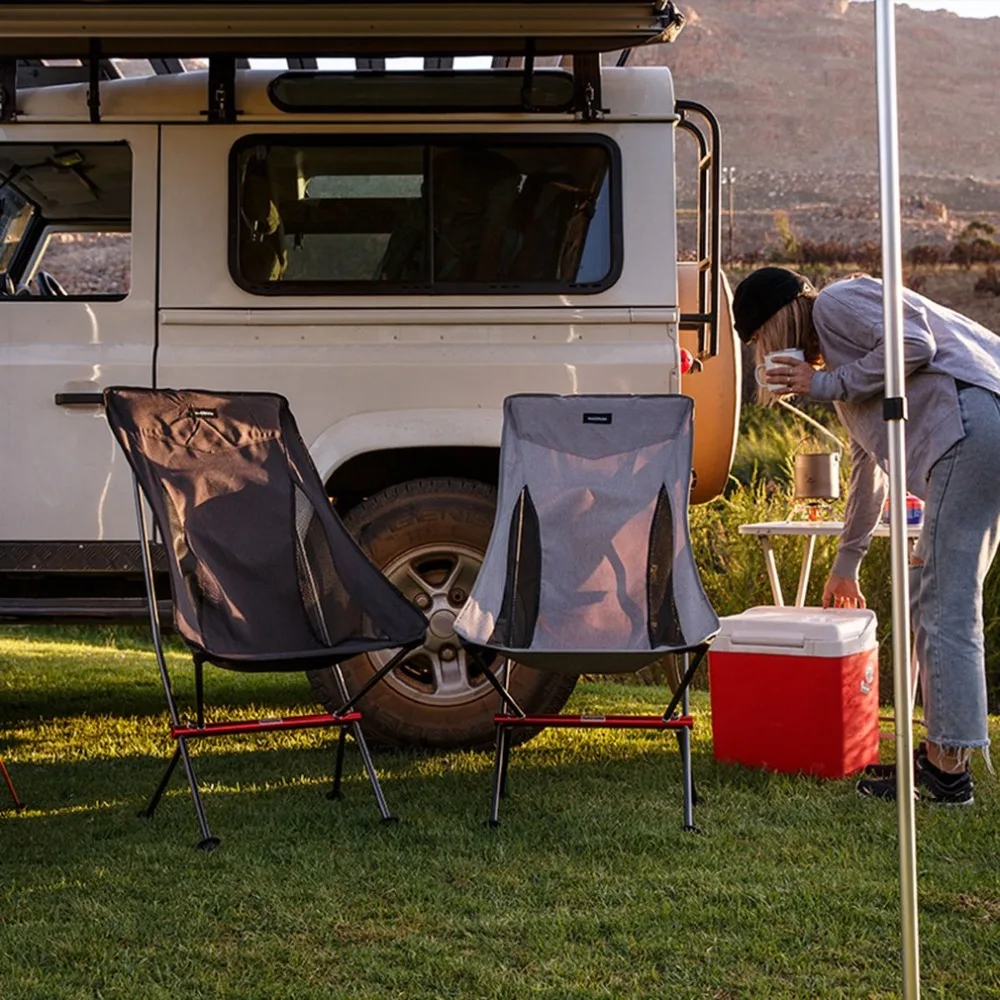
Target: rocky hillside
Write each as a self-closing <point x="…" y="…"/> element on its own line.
<point x="793" y="84"/>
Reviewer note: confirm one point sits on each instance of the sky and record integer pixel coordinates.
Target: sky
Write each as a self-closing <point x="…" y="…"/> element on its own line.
<point x="966" y="8"/>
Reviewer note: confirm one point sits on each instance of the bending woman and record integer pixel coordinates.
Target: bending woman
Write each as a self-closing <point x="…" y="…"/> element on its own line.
<point x="952" y="369"/>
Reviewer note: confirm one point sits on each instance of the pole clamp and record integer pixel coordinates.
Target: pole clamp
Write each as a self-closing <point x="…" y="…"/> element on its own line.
<point x="894" y="408"/>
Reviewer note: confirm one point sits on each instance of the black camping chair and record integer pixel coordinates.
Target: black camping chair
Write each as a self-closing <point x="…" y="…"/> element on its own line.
<point x="10" y="786"/>
<point x="264" y="575"/>
<point x="589" y="568"/>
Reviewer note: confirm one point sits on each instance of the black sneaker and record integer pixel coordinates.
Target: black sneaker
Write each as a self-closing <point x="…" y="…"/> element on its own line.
<point x="932" y="784"/>
<point x="935" y="785"/>
<point x="889" y="770"/>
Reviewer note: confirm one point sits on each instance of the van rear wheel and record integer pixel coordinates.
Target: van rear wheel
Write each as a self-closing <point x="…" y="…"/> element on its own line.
<point x="429" y="537"/>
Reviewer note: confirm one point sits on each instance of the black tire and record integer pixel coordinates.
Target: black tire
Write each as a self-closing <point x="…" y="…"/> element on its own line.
<point x="423" y="534"/>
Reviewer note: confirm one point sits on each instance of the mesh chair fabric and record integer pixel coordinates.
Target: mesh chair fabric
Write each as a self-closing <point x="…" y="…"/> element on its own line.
<point x="590" y="563"/>
<point x="264" y="574"/>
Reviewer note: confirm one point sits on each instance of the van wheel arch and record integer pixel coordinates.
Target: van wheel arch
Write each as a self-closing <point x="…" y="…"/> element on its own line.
<point x="371" y="472"/>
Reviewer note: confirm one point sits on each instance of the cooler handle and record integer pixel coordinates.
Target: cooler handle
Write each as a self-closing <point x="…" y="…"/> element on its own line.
<point x="792" y="641"/>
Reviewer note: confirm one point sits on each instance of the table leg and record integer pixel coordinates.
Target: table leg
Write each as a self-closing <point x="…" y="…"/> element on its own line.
<point x="772" y="571"/>
<point x="914" y="676"/>
<point x="805" y="571"/>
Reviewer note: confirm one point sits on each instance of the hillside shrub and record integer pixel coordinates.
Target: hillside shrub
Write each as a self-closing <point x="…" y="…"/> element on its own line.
<point x="975" y="245"/>
<point x="988" y="284"/>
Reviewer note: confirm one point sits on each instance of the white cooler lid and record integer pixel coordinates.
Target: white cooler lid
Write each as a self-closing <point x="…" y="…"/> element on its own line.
<point x="784" y="631"/>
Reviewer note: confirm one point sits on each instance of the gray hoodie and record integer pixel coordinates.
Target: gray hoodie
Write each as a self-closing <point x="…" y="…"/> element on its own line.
<point x="939" y="346"/>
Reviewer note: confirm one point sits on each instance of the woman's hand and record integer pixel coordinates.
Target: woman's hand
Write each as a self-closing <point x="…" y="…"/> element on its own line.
<point x="793" y="378"/>
<point x="840" y="592"/>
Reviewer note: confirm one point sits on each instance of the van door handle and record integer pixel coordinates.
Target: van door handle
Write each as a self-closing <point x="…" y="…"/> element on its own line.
<point x="79" y="399"/>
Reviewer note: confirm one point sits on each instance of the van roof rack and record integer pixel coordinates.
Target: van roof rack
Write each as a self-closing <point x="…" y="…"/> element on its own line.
<point x="230" y="32"/>
<point x="168" y="29"/>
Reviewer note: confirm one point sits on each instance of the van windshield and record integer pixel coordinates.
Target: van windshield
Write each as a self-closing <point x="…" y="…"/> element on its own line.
<point x="448" y="215"/>
<point x="16" y="212"/>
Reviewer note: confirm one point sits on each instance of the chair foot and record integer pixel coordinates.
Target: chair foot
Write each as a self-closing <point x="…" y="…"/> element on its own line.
<point x="693" y="829"/>
<point x="390" y="819"/>
<point x="209" y="844"/>
<point x="494" y="823"/>
<point x="335" y="795"/>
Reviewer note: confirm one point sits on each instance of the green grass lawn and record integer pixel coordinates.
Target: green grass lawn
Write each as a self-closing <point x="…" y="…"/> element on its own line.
<point x="590" y="889"/>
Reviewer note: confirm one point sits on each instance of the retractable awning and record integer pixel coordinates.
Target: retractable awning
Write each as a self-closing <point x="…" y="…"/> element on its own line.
<point x="141" y="28"/>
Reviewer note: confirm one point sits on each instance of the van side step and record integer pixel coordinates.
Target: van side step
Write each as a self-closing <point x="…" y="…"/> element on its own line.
<point x="80" y="610"/>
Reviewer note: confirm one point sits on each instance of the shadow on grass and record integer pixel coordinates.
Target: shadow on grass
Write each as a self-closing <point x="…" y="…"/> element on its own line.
<point x="126" y="638"/>
<point x="565" y="796"/>
<point x="59" y="690"/>
<point x="268" y="786"/>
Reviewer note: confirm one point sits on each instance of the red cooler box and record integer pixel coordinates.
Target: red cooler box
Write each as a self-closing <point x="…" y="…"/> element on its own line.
<point x="796" y="690"/>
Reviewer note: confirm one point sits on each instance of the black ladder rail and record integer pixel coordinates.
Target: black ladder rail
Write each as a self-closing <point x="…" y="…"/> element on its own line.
<point x="706" y="320"/>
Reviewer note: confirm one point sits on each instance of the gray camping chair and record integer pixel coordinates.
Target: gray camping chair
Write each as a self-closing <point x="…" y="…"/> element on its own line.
<point x="264" y="576"/>
<point x="589" y="568"/>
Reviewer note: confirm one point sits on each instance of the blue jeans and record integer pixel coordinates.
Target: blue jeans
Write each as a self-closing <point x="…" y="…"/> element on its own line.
<point x="959" y="539"/>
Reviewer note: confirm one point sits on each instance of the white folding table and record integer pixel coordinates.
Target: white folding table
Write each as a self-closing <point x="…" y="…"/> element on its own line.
<point x="810" y="531"/>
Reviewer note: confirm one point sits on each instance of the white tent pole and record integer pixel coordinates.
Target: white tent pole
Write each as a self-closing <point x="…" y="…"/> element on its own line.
<point x="895" y="411"/>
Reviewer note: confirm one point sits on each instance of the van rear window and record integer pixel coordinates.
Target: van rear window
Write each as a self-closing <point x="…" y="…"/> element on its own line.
<point x="447" y="215"/>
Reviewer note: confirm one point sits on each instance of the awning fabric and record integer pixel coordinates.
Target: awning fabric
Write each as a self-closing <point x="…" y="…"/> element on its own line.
<point x="140" y="28"/>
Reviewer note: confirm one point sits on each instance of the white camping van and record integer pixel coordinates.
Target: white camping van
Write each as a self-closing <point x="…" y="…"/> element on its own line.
<point x="394" y="249"/>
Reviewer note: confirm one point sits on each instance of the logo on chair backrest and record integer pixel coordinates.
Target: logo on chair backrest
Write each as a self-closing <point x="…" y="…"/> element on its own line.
<point x="597" y="418"/>
<point x="202" y="412"/>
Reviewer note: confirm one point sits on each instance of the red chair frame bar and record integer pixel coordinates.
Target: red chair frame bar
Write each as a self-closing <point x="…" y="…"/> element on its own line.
<point x="596" y="721"/>
<point x="264" y="725"/>
<point x="18" y="805"/>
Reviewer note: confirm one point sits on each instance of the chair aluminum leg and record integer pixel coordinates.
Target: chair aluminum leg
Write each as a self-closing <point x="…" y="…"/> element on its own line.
<point x="359" y="738"/>
<point x="503" y="740"/>
<point x="684" y="738"/>
<point x="366" y="758"/>
<point x="150" y="809"/>
<point x="199" y="690"/>
<point x="207" y="842"/>
<point x="18" y="805"/>
<point x="499" y="769"/>
<point x="508" y="736"/>
<point x="335" y="792"/>
<point x="505" y="762"/>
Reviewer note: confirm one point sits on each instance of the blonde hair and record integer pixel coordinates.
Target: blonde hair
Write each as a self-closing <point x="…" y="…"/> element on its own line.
<point x="790" y="327"/>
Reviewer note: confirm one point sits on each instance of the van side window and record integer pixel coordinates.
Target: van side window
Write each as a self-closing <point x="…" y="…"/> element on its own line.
<point x="65" y="220"/>
<point x="324" y="215"/>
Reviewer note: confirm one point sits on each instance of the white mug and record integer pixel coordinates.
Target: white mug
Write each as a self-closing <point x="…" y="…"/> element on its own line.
<point x="771" y="362"/>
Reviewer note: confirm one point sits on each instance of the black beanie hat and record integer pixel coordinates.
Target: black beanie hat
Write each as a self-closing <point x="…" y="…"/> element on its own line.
<point x="761" y="294"/>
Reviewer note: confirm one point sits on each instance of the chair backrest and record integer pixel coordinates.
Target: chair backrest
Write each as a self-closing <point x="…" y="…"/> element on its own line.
<point x="590" y="550"/>
<point x="261" y="567"/>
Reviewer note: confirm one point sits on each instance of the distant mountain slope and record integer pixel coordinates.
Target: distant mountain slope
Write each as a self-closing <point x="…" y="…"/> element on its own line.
<point x="793" y="84"/>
